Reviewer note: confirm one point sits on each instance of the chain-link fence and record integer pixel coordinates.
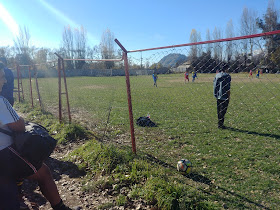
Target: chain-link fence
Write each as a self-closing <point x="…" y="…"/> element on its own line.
<point x="174" y="86"/>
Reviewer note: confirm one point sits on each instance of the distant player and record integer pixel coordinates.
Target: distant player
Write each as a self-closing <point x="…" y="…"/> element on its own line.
<point x="155" y="77"/>
<point x="258" y="74"/>
<point x="251" y="74"/>
<point x="194" y="76"/>
<point x="186" y="76"/>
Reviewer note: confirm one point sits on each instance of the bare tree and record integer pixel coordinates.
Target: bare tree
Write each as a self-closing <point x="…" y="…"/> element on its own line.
<point x="199" y="47"/>
<point x="68" y="46"/>
<point x="107" y="47"/>
<point x="229" y="45"/>
<point x="194" y="49"/>
<point x="41" y="56"/>
<point x="22" y="46"/>
<point x="209" y="46"/>
<point x="74" y="46"/>
<point x="80" y="37"/>
<point x="248" y="26"/>
<point x="218" y="50"/>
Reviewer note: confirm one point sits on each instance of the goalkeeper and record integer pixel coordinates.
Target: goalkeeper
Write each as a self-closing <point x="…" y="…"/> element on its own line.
<point x="222" y="93"/>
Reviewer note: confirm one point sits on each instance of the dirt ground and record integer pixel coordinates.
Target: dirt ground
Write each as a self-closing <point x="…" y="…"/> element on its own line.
<point x="68" y="179"/>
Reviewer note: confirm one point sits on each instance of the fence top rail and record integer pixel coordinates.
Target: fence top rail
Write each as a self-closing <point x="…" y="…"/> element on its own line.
<point x="93" y="59"/>
<point x="24" y="65"/>
<point x="67" y="59"/>
<point x="210" y="41"/>
<point x="38" y="64"/>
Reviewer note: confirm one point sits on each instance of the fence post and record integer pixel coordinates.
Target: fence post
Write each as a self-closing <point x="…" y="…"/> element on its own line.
<point x="37" y="87"/>
<point x="59" y="90"/>
<point x="128" y="96"/>
<point x="18" y="83"/>
<point x="129" y="103"/>
<point x="66" y="90"/>
<point x="20" y="87"/>
<point x="30" y="84"/>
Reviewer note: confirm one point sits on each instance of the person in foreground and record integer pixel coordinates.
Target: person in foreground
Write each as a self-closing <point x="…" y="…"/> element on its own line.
<point x="13" y="166"/>
<point x="8" y="93"/>
<point x="222" y="93"/>
<point x="8" y="87"/>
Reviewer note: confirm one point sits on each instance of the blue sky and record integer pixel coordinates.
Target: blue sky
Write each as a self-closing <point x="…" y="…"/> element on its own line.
<point x="136" y="24"/>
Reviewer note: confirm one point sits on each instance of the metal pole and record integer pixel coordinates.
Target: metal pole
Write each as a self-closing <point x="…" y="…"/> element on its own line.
<point x="30" y="84"/>
<point x="66" y="91"/>
<point x="38" y="91"/>
<point x="18" y="83"/>
<point x="128" y="96"/>
<point x="129" y="103"/>
<point x="59" y="90"/>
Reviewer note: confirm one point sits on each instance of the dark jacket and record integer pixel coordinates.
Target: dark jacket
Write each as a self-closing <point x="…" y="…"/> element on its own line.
<point x="8" y="88"/>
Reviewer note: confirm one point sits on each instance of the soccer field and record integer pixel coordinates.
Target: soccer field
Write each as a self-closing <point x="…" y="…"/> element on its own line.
<point x="242" y="161"/>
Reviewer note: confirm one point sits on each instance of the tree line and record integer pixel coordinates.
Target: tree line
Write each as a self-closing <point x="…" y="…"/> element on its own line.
<point x="74" y="45"/>
<point x="242" y="55"/>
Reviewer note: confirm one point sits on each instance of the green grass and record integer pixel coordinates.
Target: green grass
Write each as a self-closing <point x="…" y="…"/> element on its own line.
<point x="132" y="176"/>
<point x="242" y="162"/>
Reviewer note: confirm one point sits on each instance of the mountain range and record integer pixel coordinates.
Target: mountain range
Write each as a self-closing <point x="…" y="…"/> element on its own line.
<point x="173" y="59"/>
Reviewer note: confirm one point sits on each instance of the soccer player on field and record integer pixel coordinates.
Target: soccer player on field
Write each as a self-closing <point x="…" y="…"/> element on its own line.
<point x="155" y="77"/>
<point x="251" y="73"/>
<point x="186" y="76"/>
<point x="222" y="94"/>
<point x="258" y="74"/>
<point x="194" y="76"/>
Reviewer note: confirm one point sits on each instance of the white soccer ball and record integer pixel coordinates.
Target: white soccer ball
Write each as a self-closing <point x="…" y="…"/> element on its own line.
<point x="185" y="166"/>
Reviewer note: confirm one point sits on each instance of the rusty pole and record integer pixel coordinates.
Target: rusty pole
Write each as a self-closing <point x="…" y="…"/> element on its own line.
<point x="59" y="90"/>
<point x="66" y="90"/>
<point x="37" y="87"/>
<point x="128" y="96"/>
<point x="18" y="83"/>
<point x="30" y="84"/>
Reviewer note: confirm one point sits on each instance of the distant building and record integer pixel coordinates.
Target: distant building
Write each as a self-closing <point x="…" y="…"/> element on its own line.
<point x="182" y="68"/>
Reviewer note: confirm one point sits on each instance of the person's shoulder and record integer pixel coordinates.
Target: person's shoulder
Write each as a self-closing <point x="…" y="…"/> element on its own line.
<point x="7" y="69"/>
<point x="8" y="72"/>
<point x="2" y="100"/>
<point x="218" y="75"/>
<point x="228" y="75"/>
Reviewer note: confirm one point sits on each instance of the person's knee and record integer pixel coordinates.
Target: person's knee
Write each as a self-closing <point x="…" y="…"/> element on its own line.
<point x="42" y="174"/>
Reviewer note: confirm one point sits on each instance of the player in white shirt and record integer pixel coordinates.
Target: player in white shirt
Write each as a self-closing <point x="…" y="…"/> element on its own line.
<point x="13" y="166"/>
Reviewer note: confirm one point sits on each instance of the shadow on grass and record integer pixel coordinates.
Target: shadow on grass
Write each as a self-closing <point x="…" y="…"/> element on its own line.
<point x="204" y="180"/>
<point x="254" y="132"/>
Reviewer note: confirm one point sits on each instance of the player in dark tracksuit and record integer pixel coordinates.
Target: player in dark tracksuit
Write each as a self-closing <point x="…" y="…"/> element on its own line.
<point x="222" y="93"/>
